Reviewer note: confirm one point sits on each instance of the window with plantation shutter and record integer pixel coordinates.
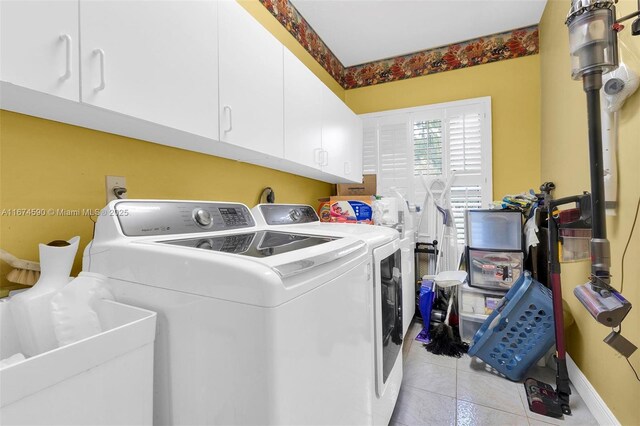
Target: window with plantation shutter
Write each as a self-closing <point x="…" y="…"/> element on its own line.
<point x="402" y="146"/>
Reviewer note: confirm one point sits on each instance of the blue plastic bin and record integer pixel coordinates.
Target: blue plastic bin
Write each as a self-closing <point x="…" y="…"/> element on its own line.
<point x="519" y="331"/>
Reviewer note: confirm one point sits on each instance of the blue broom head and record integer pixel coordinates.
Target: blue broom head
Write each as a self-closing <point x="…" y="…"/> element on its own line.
<point x="425" y="303"/>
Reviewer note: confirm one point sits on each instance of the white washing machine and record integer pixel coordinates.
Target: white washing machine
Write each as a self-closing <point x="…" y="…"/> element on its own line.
<point x="386" y="284"/>
<point x="255" y="325"/>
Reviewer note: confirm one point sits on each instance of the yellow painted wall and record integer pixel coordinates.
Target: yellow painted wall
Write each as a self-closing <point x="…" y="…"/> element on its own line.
<point x="514" y="87"/>
<point x="262" y="15"/>
<point x="44" y="164"/>
<point x="565" y="161"/>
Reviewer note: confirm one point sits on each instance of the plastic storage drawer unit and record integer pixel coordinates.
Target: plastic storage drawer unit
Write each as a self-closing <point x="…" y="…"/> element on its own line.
<point x="494" y="270"/>
<point x="469" y="325"/>
<point x="493" y="229"/>
<point x="106" y="379"/>
<point x="478" y="301"/>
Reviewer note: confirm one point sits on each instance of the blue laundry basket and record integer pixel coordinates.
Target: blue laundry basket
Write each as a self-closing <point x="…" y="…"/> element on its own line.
<point x="519" y="331"/>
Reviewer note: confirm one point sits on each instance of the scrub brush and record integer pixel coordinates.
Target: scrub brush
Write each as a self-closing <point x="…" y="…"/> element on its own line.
<point x="25" y="272"/>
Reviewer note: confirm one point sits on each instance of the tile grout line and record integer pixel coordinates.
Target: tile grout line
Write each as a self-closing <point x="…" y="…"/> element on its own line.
<point x="488" y="374"/>
<point x="424" y="390"/>
<point x="437" y="365"/>
<point x="495" y="409"/>
<point x="486" y="406"/>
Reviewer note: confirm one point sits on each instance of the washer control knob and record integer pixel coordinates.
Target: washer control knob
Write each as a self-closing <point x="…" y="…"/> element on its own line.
<point x="295" y="215"/>
<point x="202" y="217"/>
<point x="204" y="244"/>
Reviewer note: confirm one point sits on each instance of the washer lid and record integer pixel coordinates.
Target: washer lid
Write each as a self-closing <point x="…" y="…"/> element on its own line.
<point x="254" y="244"/>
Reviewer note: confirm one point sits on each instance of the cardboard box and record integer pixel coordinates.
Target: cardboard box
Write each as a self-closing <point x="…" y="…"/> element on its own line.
<point x="367" y="187"/>
<point x="348" y="209"/>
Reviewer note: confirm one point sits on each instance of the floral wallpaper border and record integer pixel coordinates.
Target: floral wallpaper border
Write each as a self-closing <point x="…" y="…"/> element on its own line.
<point x="484" y="50"/>
<point x="300" y="29"/>
<point x="493" y="48"/>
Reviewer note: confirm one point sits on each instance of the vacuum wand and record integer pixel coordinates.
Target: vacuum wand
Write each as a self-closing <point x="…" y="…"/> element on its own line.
<point x="603" y="302"/>
<point x="593" y="44"/>
<point x="600" y="249"/>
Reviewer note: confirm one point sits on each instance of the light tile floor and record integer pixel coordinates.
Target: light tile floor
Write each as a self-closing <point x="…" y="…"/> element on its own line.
<point x="438" y="390"/>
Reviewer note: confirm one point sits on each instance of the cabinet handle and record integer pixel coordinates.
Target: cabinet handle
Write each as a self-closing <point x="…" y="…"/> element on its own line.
<point x="67" y="39"/>
<point x="347" y="167"/>
<point x="230" y="127"/>
<point x="325" y="158"/>
<point x="317" y="156"/>
<point x="101" y="55"/>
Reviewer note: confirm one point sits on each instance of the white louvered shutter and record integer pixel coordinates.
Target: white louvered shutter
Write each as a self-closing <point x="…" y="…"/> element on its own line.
<point x="370" y="147"/>
<point x="463" y="198"/>
<point x="469" y="155"/>
<point x="465" y="142"/>
<point x="395" y="156"/>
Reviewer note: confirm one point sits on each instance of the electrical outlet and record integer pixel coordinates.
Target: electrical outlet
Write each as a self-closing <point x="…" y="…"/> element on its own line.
<point x="115" y="182"/>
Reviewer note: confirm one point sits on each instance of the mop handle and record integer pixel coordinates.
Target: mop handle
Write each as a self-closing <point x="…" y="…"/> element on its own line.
<point x="446" y="319"/>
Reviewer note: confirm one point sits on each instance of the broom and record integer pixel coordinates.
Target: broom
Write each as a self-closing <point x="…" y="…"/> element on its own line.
<point x="443" y="339"/>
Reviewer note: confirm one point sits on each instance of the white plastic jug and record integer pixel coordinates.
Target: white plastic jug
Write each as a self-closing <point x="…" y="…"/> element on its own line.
<point x="73" y="314"/>
<point x="31" y="309"/>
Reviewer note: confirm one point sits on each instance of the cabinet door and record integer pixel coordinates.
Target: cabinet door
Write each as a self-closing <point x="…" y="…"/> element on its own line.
<point x="341" y="138"/>
<point x="302" y="113"/>
<point x="153" y="60"/>
<point x="39" y="46"/>
<point x="353" y="160"/>
<point x="251" y="82"/>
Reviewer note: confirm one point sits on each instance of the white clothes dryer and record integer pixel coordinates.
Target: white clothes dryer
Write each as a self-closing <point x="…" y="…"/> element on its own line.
<point x="385" y="284"/>
<point x="255" y="325"/>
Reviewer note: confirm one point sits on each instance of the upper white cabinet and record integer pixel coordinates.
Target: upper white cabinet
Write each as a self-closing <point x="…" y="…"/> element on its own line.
<point x="320" y="131"/>
<point x="302" y="113"/>
<point x="39" y="46"/>
<point x="353" y="158"/>
<point x="153" y="60"/>
<point x="251" y="82"/>
<point x="341" y="138"/>
<point x="188" y="73"/>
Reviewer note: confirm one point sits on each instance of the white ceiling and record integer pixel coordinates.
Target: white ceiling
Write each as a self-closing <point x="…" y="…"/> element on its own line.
<point x="359" y="31"/>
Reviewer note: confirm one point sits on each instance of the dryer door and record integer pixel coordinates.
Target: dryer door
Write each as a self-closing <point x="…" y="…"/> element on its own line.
<point x="388" y="311"/>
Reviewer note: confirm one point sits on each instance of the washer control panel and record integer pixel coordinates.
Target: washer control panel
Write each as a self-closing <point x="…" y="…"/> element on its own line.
<point x="288" y="214"/>
<point x="147" y="218"/>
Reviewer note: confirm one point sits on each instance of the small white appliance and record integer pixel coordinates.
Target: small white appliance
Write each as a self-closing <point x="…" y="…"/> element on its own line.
<point x="255" y="325"/>
<point x="386" y="285"/>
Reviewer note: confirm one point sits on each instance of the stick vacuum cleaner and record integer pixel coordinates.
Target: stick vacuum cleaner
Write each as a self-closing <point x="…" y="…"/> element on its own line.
<point x="593" y="40"/>
<point x="543" y="399"/>
<point x="593" y="46"/>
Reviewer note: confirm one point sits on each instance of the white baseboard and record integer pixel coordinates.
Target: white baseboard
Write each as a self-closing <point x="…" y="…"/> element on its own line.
<point x="590" y="396"/>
